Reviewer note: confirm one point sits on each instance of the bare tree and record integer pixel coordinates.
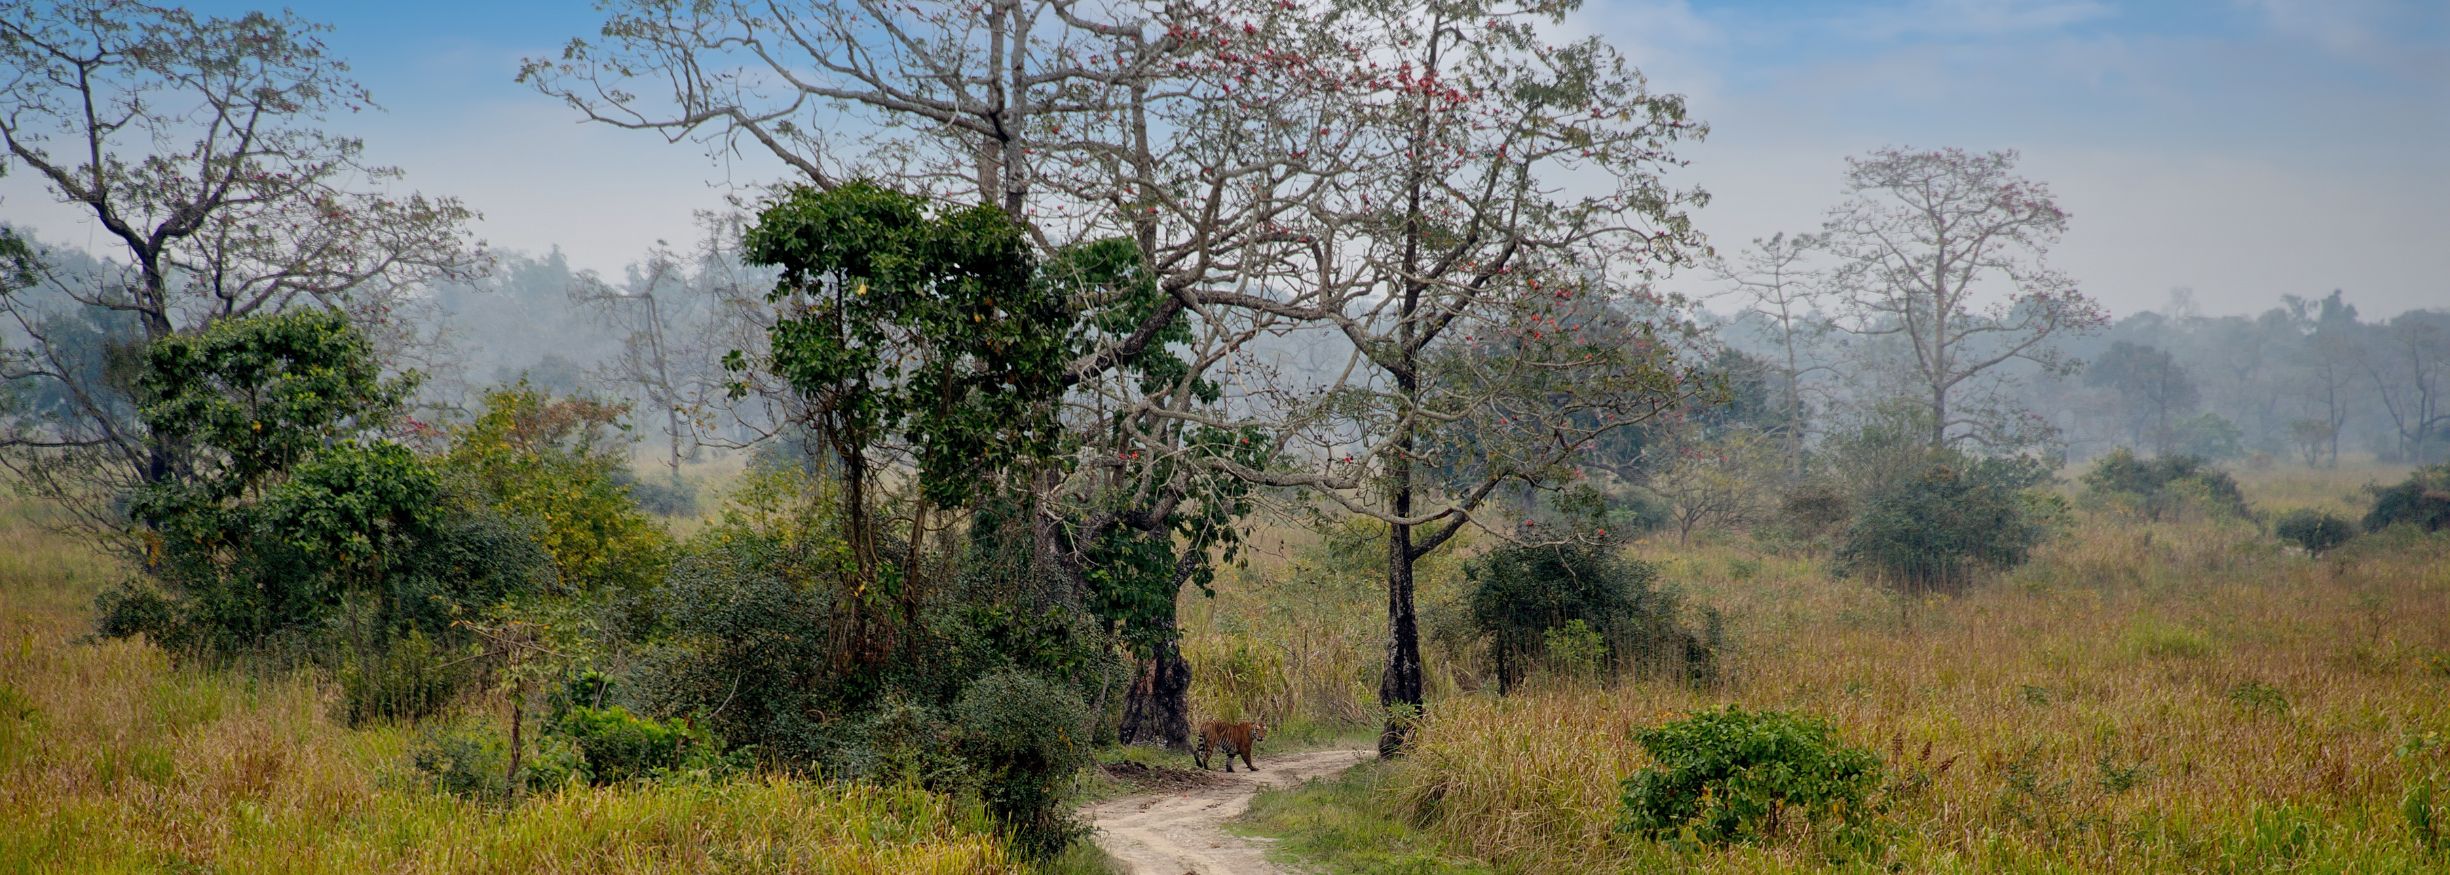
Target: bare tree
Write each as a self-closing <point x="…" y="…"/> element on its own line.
<point x="1925" y="239"/>
<point x="198" y="145"/>
<point x="2328" y="362"/>
<point x="1775" y="281"/>
<point x="2411" y="374"/>
<point x="1491" y="199"/>
<point x="1720" y="481"/>
<point x="671" y="366"/>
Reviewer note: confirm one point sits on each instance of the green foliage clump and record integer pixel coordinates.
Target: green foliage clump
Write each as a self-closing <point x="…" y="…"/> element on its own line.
<point x="1028" y="735"/>
<point x="277" y="524"/>
<point x="949" y="303"/>
<point x="464" y="761"/>
<point x="1521" y="594"/>
<point x="987" y="691"/>
<point x="1733" y="776"/>
<point x="2421" y="501"/>
<point x="614" y="745"/>
<point x="1939" y="528"/>
<point x="556" y="462"/>
<point x="2317" y="531"/>
<point x="2164" y="488"/>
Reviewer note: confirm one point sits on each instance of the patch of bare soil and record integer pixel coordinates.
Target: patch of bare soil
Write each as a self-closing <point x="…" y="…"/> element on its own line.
<point x="1179" y="829"/>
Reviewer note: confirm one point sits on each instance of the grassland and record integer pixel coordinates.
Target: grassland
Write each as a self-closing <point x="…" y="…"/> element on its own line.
<point x="2188" y="696"/>
<point x="114" y="758"/>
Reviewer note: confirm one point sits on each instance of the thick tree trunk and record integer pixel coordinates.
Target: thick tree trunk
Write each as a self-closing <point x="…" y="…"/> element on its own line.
<point x="1157" y="712"/>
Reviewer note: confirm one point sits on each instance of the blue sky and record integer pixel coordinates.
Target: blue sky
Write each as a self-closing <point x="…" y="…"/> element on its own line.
<point x="2243" y="148"/>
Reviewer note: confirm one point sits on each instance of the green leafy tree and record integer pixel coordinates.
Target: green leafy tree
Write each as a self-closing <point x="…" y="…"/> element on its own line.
<point x="255" y="396"/>
<point x="1522" y="596"/>
<point x="289" y="523"/>
<point x="915" y="333"/>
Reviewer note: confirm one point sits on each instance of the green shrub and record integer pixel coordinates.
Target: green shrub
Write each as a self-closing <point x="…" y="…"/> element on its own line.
<point x="558" y="463"/>
<point x="1939" y="528"/>
<point x="2318" y="532"/>
<point x="1027" y="735"/>
<point x="2421" y="501"/>
<point x="1730" y="776"/>
<point x="2166" y="487"/>
<point x="1521" y="594"/>
<point x="614" y="745"/>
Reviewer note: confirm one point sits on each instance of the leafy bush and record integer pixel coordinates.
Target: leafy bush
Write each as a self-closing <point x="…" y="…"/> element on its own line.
<point x="1731" y="775"/>
<point x="1028" y="735"/>
<point x="1939" y="528"/>
<point x="2317" y="531"/>
<point x="556" y="461"/>
<point x="2165" y="487"/>
<point x="2422" y="501"/>
<point x="614" y="745"/>
<point x="1519" y="594"/>
<point x="279" y="527"/>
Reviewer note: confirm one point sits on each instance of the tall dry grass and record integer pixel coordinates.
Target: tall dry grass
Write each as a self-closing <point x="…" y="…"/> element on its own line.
<point x="2189" y="697"/>
<point x="114" y="758"/>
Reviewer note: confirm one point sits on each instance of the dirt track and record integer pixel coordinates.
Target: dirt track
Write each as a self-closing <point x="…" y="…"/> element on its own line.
<point x="1177" y="832"/>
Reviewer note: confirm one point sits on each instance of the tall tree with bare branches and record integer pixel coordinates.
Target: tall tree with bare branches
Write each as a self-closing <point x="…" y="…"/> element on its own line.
<point x="1946" y="251"/>
<point x="1487" y="215"/>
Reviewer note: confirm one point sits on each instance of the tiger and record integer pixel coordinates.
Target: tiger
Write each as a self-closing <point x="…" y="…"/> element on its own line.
<point x="1232" y="738"/>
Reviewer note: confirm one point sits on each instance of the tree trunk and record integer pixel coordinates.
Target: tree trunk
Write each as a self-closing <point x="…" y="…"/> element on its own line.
<point x="1399" y="689"/>
<point x="1157" y="712"/>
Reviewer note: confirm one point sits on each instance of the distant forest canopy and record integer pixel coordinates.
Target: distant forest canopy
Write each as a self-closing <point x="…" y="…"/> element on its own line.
<point x="2308" y="380"/>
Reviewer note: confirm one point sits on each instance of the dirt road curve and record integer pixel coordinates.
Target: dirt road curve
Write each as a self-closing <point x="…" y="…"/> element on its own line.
<point x="1180" y="832"/>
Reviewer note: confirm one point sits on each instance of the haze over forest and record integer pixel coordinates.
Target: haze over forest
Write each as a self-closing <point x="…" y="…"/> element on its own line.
<point x="935" y="435"/>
